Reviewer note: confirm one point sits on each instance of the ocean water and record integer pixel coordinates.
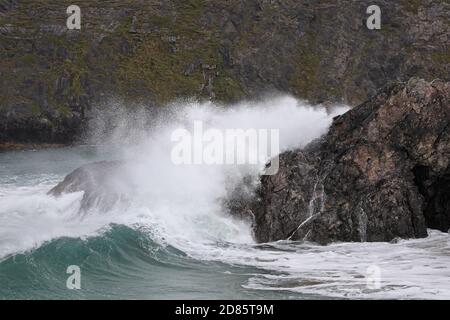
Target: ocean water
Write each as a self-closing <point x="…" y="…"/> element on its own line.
<point x="174" y="240"/>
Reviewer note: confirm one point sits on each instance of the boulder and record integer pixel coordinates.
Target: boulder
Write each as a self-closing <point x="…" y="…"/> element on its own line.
<point x="103" y="183"/>
<point x="381" y="172"/>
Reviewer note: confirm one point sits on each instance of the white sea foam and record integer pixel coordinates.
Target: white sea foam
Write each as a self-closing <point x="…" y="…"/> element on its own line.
<point x="181" y="206"/>
<point x="409" y="269"/>
<point x="180" y="202"/>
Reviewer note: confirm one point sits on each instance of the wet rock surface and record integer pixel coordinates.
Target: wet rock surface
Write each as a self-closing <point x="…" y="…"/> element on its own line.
<point x="381" y="172"/>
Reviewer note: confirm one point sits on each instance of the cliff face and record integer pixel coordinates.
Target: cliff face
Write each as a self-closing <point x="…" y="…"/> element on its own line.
<point x="381" y="172"/>
<point x="155" y="51"/>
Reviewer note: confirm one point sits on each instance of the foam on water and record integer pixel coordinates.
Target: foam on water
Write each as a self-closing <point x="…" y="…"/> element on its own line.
<point x="409" y="269"/>
<point x="181" y="206"/>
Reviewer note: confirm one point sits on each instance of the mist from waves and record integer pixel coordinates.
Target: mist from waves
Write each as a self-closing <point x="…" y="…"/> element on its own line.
<point x="179" y="209"/>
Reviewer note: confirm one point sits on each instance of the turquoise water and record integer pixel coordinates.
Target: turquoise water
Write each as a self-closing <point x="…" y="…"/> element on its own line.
<point x="122" y="263"/>
<point x="121" y="256"/>
<point x="118" y="262"/>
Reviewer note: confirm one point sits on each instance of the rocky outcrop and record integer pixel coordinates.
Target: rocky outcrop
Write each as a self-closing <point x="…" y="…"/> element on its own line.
<point x="151" y="52"/>
<point x="102" y="185"/>
<point x="381" y="172"/>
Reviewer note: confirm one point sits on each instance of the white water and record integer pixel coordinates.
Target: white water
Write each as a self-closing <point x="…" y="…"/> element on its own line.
<point x="181" y="207"/>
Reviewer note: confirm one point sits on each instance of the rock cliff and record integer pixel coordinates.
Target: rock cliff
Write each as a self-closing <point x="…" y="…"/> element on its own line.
<point x="155" y="51"/>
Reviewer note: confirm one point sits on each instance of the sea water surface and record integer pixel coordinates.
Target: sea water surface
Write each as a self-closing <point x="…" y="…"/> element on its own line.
<point x="173" y="240"/>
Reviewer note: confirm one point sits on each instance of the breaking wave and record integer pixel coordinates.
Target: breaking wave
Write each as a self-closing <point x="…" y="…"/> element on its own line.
<point x="173" y="239"/>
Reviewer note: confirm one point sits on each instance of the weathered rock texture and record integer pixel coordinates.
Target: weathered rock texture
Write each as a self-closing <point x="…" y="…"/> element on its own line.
<point x="381" y="172"/>
<point x="154" y="51"/>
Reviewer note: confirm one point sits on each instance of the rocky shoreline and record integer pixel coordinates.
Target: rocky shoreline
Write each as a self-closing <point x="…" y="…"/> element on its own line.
<point x="381" y="172"/>
<point x="11" y="146"/>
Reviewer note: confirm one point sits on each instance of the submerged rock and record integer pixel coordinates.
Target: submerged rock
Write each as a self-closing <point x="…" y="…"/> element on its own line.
<point x="381" y="172"/>
<point x="103" y="184"/>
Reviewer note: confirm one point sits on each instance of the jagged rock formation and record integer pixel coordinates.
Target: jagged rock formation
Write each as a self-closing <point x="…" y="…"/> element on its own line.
<point x="381" y="172"/>
<point x="155" y="51"/>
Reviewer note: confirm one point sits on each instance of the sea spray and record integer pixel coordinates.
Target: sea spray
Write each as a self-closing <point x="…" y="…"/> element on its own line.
<point x="180" y="204"/>
<point x="174" y="240"/>
<point x="184" y="200"/>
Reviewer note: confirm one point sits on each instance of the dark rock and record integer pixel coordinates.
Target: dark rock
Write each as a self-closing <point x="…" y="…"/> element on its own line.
<point x="102" y="184"/>
<point x="381" y="172"/>
<point x="23" y="126"/>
